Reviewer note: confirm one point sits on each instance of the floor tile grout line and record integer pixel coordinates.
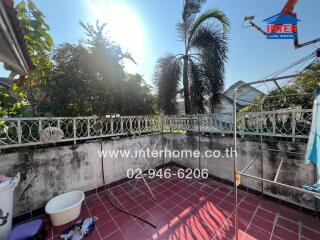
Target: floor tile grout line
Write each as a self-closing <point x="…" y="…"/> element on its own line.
<point x="255" y="211"/>
<point x="230" y="214"/>
<point x="195" y="205"/>
<point x="112" y="220"/>
<point x="217" y="205"/>
<point x="206" y="198"/>
<point x="274" y="224"/>
<point x="147" y="211"/>
<point x="278" y="216"/>
<point x="287" y="219"/>
<point x="176" y="183"/>
<point x="88" y="209"/>
<point x="300" y="229"/>
<point x="176" y="204"/>
<point x="309" y="228"/>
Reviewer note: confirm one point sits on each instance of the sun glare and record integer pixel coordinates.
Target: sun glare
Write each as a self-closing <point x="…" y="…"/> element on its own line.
<point x="123" y="27"/>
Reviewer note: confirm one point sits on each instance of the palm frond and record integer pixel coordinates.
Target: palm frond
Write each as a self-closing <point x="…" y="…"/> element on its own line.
<point x="190" y="9"/>
<point x="197" y="88"/>
<point x="212" y="47"/>
<point x="167" y="77"/>
<point x="214" y="14"/>
<point x="208" y="37"/>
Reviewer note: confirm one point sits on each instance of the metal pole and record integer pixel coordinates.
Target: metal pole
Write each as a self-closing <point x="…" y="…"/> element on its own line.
<point x="235" y="161"/>
<point x="282" y="185"/>
<point x="162" y="140"/>
<point x="74" y="131"/>
<point x="199" y="142"/>
<point x="273" y="79"/>
<point x="261" y="141"/>
<point x="261" y="122"/>
<point x="280" y="165"/>
<point x="243" y="170"/>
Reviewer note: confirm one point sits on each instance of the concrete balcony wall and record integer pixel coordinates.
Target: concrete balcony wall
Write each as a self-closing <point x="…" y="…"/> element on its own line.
<point x="294" y="171"/>
<point x="50" y="171"/>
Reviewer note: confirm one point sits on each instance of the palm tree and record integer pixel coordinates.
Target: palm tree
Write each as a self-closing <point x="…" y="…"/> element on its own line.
<point x="201" y="64"/>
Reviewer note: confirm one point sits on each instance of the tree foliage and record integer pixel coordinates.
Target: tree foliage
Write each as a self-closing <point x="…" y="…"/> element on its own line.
<point x="81" y="79"/>
<point x="310" y="81"/>
<point x="201" y="67"/>
<point x="38" y="42"/>
<point x="138" y="96"/>
<point x="69" y="83"/>
<point x="299" y="93"/>
<point x="28" y="90"/>
<point x="89" y="79"/>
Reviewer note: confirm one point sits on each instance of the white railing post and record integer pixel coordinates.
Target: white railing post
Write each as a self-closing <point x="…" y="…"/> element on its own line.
<point x="274" y="123"/>
<point x="40" y="126"/>
<point x="293" y="125"/>
<point x="130" y="126"/>
<point x="19" y="131"/>
<point x="258" y="123"/>
<point x="139" y="125"/>
<point x="74" y="131"/>
<point x="111" y="125"/>
<point x="88" y="127"/>
<point x="249" y="125"/>
<point x="121" y="125"/>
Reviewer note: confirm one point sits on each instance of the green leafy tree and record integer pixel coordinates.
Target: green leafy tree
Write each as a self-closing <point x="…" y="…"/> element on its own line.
<point x="200" y="67"/>
<point x="139" y="99"/>
<point x="39" y="43"/>
<point x="68" y="89"/>
<point x="75" y="88"/>
<point x="106" y="60"/>
<point x="310" y="81"/>
<point x="11" y="106"/>
<point x="300" y="93"/>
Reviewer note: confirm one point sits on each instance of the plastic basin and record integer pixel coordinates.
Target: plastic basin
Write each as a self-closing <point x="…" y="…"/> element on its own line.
<point x="65" y="208"/>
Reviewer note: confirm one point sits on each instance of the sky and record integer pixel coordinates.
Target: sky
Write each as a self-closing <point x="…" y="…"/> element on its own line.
<point x="147" y="29"/>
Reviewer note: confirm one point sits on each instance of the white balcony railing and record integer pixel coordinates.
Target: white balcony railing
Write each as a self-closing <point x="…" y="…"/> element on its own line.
<point x="17" y="132"/>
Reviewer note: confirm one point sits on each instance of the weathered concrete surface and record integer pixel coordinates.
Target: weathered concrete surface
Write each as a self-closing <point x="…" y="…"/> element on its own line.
<point x="116" y="167"/>
<point x="51" y="171"/>
<point x="48" y="172"/>
<point x="294" y="171"/>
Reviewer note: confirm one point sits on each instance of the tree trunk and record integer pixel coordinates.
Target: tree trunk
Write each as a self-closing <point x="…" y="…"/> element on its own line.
<point x="187" y="102"/>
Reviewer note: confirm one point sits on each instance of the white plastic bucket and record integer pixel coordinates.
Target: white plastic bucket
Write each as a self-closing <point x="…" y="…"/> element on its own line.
<point x="6" y="205"/>
<point x="65" y="207"/>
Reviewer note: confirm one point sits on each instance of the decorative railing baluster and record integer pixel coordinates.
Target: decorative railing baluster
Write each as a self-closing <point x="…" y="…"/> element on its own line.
<point x="287" y="123"/>
<point x="74" y="131"/>
<point x="19" y="130"/>
<point x="293" y="125"/>
<point x="88" y="127"/>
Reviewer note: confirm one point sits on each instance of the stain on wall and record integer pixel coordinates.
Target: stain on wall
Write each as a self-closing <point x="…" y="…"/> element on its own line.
<point x="48" y="172"/>
<point x="294" y="171"/>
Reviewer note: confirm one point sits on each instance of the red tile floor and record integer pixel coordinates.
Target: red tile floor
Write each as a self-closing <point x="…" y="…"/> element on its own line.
<point x="189" y="209"/>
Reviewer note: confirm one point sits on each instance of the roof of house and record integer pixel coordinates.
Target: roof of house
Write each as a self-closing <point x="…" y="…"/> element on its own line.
<point x="6" y="83"/>
<point x="13" y="49"/>
<point x="230" y="100"/>
<point x="238" y="83"/>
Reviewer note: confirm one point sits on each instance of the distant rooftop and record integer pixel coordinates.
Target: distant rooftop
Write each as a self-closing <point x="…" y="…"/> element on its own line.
<point x="5" y="83"/>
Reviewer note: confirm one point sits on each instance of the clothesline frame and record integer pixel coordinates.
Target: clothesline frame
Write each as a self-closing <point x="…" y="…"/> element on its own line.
<point x="238" y="174"/>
